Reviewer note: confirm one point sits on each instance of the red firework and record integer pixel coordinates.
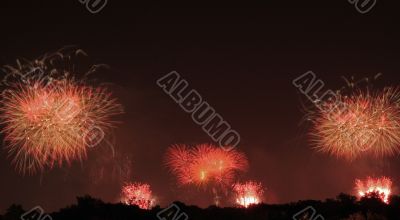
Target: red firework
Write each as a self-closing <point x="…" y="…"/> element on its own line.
<point x="249" y="193"/>
<point x="361" y="123"/>
<point x="205" y="164"/>
<point x="50" y="118"/>
<point x="138" y="194"/>
<point x="375" y="186"/>
<point x="48" y="125"/>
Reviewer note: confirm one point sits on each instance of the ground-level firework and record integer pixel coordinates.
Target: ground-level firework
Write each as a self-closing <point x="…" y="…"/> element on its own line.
<point x="248" y="193"/>
<point x="51" y="118"/>
<point x="205" y="164"/>
<point x="381" y="187"/>
<point x="138" y="194"/>
<point x="361" y="123"/>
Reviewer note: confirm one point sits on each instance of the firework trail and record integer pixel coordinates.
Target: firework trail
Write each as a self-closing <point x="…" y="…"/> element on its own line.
<point x="362" y="123"/>
<point x="205" y="164"/>
<point x="50" y="118"/>
<point x="248" y="193"/>
<point x="138" y="194"/>
<point x="116" y="168"/>
<point x="381" y="187"/>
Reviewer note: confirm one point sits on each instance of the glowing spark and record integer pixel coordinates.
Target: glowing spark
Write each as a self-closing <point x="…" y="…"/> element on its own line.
<point x="380" y="187"/>
<point x="138" y="194"/>
<point x="249" y="193"/>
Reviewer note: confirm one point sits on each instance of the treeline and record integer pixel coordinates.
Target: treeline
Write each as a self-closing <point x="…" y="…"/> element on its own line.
<point x="344" y="207"/>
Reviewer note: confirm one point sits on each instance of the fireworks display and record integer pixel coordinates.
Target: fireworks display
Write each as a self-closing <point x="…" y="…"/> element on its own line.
<point x="114" y="110"/>
<point x="360" y="123"/>
<point x="205" y="164"/>
<point x="138" y="194"/>
<point x="381" y="187"/>
<point x="49" y="118"/>
<point x="249" y="193"/>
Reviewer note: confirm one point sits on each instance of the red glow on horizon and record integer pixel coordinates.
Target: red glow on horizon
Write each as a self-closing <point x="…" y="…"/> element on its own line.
<point x="379" y="186"/>
<point x="249" y="193"/>
<point x="138" y="194"/>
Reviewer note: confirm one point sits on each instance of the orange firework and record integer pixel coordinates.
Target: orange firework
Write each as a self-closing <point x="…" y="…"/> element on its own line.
<point x="50" y="119"/>
<point x="138" y="194"/>
<point x="381" y="187"/>
<point x="360" y="123"/>
<point x="249" y="193"/>
<point x="205" y="164"/>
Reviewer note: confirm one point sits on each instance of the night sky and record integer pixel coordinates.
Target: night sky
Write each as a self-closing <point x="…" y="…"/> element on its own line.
<point x="241" y="58"/>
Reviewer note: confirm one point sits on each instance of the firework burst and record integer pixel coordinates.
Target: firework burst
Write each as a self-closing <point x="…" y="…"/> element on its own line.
<point x="381" y="187"/>
<point x="50" y="118"/>
<point x="249" y="193"/>
<point x="138" y="194"/>
<point x="205" y="164"/>
<point x="361" y="123"/>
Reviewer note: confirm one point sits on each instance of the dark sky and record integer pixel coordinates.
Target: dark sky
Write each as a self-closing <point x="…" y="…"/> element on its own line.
<point x="240" y="58"/>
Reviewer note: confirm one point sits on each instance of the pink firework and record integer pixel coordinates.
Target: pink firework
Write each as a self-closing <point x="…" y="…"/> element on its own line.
<point x="50" y="117"/>
<point x="375" y="186"/>
<point x="138" y="194"/>
<point x="362" y="123"/>
<point x="205" y="164"/>
<point x="249" y="193"/>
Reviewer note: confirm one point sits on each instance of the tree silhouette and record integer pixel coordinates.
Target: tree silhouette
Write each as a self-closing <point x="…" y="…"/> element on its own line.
<point x="14" y="212"/>
<point x="344" y="207"/>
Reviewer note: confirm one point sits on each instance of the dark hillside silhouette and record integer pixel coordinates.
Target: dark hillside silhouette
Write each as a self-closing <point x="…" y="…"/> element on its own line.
<point x="343" y="207"/>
